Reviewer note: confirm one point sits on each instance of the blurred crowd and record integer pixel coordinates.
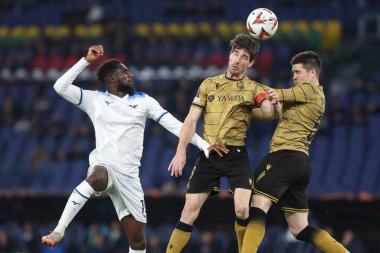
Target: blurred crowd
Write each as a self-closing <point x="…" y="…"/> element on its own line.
<point x="109" y="238"/>
<point x="170" y="46"/>
<point x="45" y="141"/>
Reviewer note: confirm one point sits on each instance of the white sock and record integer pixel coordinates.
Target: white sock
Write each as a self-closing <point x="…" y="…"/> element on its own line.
<point x="75" y="202"/>
<point x="136" y="251"/>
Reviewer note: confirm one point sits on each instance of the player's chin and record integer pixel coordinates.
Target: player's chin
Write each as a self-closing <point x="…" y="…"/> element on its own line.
<point x="235" y="72"/>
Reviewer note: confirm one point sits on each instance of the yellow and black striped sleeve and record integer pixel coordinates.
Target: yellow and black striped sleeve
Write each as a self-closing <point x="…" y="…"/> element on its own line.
<point x="200" y="99"/>
<point x="296" y="94"/>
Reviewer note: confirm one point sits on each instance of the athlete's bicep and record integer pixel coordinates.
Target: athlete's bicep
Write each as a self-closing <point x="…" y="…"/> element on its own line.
<point x="86" y="100"/>
<point x="297" y="94"/>
<point x="154" y="109"/>
<point x="71" y="93"/>
<point x="64" y="85"/>
<point x="195" y="113"/>
<point x="200" y="99"/>
<point x="79" y="97"/>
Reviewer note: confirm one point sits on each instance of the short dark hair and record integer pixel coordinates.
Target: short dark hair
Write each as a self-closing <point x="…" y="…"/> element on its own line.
<point x="247" y="42"/>
<point x="309" y="60"/>
<point x="106" y="69"/>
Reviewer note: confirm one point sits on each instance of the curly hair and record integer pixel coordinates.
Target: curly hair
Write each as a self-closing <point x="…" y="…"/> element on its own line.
<point x="106" y="69"/>
<point x="247" y="42"/>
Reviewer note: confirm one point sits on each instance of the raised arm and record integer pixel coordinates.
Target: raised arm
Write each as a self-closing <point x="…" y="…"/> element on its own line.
<point x="64" y="85"/>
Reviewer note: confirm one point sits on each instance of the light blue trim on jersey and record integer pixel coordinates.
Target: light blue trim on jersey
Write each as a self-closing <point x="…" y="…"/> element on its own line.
<point x="80" y="194"/>
<point x="134" y="95"/>
<point x="81" y="97"/>
<point x="162" y="115"/>
<point x="137" y="94"/>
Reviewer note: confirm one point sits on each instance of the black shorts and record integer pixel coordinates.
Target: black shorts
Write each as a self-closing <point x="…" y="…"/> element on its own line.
<point x="282" y="177"/>
<point x="234" y="165"/>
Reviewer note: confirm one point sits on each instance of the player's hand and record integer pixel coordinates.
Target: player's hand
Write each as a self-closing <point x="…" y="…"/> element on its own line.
<point x="205" y="147"/>
<point x="218" y="149"/>
<point x="272" y="96"/>
<point x="178" y="162"/>
<point x="94" y="52"/>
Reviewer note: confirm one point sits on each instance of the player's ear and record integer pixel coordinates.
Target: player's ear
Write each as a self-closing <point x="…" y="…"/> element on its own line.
<point x="111" y="78"/>
<point x="251" y="63"/>
<point x="313" y="72"/>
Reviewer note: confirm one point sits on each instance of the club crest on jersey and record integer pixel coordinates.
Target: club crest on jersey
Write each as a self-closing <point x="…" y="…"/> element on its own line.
<point x="210" y="98"/>
<point x="240" y="85"/>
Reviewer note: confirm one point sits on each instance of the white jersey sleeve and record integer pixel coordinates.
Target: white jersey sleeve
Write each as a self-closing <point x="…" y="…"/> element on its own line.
<point x="154" y="109"/>
<point x="170" y="123"/>
<point x="65" y="88"/>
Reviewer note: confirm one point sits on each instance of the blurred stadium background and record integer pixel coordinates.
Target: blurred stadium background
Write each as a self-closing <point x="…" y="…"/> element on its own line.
<point x="170" y="46"/>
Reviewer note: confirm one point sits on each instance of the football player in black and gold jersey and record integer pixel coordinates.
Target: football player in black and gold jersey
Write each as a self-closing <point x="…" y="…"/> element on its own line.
<point x="226" y="101"/>
<point x="283" y="175"/>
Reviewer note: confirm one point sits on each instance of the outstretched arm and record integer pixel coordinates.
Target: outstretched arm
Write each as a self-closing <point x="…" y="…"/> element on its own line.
<point x="297" y="94"/>
<point x="187" y="131"/>
<point x="63" y="86"/>
<point x="173" y="125"/>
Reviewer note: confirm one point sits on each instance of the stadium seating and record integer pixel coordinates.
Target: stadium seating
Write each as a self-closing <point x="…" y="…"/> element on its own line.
<point x="164" y="50"/>
<point x="355" y="158"/>
<point x="45" y="141"/>
<point x="337" y="158"/>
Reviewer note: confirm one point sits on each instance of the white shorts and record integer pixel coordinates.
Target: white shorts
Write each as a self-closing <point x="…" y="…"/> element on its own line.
<point x="125" y="192"/>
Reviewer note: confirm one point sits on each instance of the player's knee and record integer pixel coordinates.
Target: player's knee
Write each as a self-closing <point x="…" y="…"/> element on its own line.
<point x="241" y="211"/>
<point x="98" y="179"/>
<point x="295" y="231"/>
<point x="189" y="213"/>
<point x="137" y="244"/>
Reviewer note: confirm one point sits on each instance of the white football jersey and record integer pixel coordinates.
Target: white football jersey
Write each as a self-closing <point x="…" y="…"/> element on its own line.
<point x="119" y="126"/>
<point x="119" y="122"/>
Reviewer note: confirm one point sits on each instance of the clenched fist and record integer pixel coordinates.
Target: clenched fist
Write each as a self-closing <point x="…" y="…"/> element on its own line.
<point x="94" y="52"/>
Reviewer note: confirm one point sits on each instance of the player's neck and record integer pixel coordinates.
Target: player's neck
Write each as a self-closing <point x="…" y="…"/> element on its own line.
<point x="315" y="83"/>
<point x="117" y="93"/>
<point x="234" y="77"/>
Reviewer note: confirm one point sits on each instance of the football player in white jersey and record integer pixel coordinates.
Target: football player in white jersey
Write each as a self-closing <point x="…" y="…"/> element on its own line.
<point x="118" y="116"/>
